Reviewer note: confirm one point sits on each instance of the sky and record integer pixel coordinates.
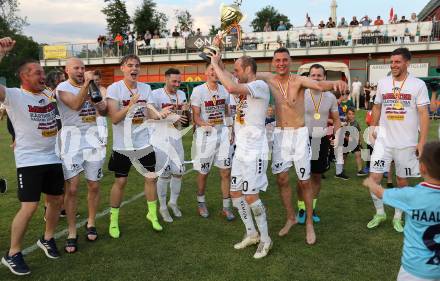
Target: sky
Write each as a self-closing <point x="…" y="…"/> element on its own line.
<point x="81" y="21"/>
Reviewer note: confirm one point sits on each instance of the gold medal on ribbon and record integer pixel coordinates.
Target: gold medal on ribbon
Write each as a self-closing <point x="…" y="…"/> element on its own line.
<point x="282" y="89"/>
<point x="317" y="116"/>
<point x="398" y="105"/>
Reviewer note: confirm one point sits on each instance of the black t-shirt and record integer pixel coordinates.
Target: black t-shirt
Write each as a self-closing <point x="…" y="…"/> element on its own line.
<point x="354" y="22"/>
<point x="175" y="34"/>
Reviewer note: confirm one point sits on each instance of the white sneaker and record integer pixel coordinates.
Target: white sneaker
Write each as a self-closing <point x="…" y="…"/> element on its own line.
<point x="263" y="249"/>
<point x="165" y="215"/>
<point x="248" y="240"/>
<point x="176" y="211"/>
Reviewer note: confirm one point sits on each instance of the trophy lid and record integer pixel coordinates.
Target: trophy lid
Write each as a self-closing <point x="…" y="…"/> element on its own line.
<point x="230" y="14"/>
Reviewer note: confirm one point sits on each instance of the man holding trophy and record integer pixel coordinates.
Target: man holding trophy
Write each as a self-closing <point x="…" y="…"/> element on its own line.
<point x="248" y="175"/>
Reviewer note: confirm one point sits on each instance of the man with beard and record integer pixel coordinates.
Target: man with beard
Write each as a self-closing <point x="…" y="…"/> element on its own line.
<point x="401" y="111"/>
<point x="248" y="174"/>
<point x="38" y="167"/>
<point x="322" y="105"/>
<point x="80" y="147"/>
<point x="291" y="137"/>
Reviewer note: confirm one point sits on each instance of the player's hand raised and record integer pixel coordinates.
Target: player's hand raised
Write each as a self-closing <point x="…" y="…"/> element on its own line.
<point x="6" y="45"/>
<point x="340" y="86"/>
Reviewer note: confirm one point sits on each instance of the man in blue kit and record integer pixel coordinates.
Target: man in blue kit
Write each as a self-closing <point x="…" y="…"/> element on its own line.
<point x="421" y="204"/>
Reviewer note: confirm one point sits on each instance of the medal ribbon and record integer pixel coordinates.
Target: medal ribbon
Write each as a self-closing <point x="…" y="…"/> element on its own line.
<point x="397" y="96"/>
<point x="171" y="101"/>
<point x="284" y="90"/>
<point x="213" y="98"/>
<point x="314" y="103"/>
<point x="131" y="92"/>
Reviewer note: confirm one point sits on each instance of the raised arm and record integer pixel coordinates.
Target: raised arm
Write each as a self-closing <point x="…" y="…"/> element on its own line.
<point x="75" y="102"/>
<point x="322" y="86"/>
<point x="265" y="76"/>
<point x="6" y="45"/>
<point x="226" y="79"/>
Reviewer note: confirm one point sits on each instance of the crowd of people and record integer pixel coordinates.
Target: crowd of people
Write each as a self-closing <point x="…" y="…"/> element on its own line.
<point x="229" y="114"/>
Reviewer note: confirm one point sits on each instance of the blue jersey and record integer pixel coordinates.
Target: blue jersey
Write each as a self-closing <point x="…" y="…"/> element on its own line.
<point x="421" y="245"/>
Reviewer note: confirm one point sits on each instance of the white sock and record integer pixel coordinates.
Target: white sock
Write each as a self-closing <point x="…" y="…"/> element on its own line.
<point x="398" y="214"/>
<point x="226" y="202"/>
<point x="175" y="186"/>
<point x="162" y="187"/>
<point x="378" y="204"/>
<point x="260" y="217"/>
<point x="245" y="214"/>
<point x="201" y="198"/>
<point x="339" y="168"/>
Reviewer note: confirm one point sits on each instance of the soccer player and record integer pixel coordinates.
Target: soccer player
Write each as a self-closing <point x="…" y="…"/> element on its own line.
<point x="126" y="101"/>
<point x="248" y="175"/>
<point x="291" y="137"/>
<point x="319" y="106"/>
<point x="400" y="110"/>
<point x="168" y="145"/>
<point x="212" y="140"/>
<point x="421" y="256"/>
<point x="39" y="169"/>
<point x="81" y="148"/>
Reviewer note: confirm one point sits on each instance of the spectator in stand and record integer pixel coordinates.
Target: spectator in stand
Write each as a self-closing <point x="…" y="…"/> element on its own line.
<point x="308" y="22"/>
<point x="365" y="21"/>
<point x="343" y="23"/>
<point x="198" y="32"/>
<point x="119" y="40"/>
<point x="147" y="37"/>
<point x="354" y="22"/>
<point x="281" y="26"/>
<point x="330" y="23"/>
<point x="394" y="20"/>
<point x="175" y="33"/>
<point x="378" y="21"/>
<point x="185" y="32"/>
<point x="413" y="18"/>
<point x="321" y="24"/>
<point x="403" y="20"/>
<point x="267" y="27"/>
<point x="156" y="34"/>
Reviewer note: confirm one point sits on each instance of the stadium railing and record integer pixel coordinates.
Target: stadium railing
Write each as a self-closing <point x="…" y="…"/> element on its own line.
<point x="301" y="37"/>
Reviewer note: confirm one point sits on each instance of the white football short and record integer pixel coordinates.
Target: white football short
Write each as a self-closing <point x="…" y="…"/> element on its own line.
<point x="249" y="177"/>
<point x="88" y="160"/>
<point x="169" y="157"/>
<point x="405" y="160"/>
<point x="211" y="148"/>
<point x="291" y="147"/>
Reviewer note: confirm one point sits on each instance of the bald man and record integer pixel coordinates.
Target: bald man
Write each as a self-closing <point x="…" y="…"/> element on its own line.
<point x="81" y="147"/>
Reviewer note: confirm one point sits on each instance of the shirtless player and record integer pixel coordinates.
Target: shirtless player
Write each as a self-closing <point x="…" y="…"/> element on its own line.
<point x="291" y="138"/>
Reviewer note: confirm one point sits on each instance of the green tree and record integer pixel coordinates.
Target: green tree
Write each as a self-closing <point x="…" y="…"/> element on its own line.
<point x="118" y="20"/>
<point x="146" y="17"/>
<point x="25" y="49"/>
<point x="8" y="12"/>
<point x="184" y="20"/>
<point x="270" y="14"/>
<point x="213" y="30"/>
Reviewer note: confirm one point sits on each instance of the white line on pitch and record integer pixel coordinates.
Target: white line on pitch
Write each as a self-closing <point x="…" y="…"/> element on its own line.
<point x="80" y="224"/>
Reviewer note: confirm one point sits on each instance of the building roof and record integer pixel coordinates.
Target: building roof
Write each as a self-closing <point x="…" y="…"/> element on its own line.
<point x="428" y="9"/>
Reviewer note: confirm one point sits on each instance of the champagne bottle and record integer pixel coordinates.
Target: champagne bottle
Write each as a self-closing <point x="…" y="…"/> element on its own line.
<point x="94" y="92"/>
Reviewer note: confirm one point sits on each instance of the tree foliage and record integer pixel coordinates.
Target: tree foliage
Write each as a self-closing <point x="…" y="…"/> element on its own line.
<point x="118" y="20"/>
<point x="147" y="17"/>
<point x="8" y="12"/>
<point x="184" y="20"/>
<point x="213" y="30"/>
<point x="269" y="13"/>
<point x="25" y="49"/>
